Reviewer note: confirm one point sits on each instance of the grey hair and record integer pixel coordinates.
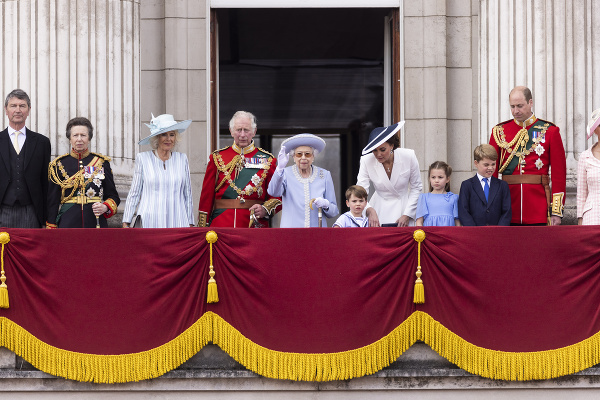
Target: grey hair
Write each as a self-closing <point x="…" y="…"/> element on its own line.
<point x="154" y="139"/>
<point x="19" y="94"/>
<point x="246" y="114"/>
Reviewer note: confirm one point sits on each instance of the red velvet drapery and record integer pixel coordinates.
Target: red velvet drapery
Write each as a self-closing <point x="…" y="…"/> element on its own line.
<point x="313" y="291"/>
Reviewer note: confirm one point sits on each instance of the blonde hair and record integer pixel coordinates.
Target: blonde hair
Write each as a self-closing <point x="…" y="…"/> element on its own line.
<point x="485" y="151"/>
<point x="154" y="139"/>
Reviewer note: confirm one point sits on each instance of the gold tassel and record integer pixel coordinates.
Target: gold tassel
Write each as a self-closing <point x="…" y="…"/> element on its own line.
<point x="4" y="238"/>
<point x="419" y="297"/>
<point x="212" y="295"/>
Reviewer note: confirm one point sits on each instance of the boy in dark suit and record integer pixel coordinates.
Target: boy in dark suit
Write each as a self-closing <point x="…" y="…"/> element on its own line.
<point x="484" y="199"/>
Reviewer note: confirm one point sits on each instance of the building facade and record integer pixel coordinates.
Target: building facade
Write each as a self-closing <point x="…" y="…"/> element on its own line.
<point x="335" y="68"/>
<point x="446" y="67"/>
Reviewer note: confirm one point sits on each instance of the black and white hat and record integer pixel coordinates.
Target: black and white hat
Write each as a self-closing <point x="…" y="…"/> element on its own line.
<point x="380" y="135"/>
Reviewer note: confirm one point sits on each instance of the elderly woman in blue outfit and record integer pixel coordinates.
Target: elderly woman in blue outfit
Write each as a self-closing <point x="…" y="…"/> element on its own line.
<point x="304" y="187"/>
<point x="161" y="191"/>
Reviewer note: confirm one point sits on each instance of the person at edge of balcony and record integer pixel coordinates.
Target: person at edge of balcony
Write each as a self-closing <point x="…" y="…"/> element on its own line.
<point x="161" y="191"/>
<point x="24" y="159"/>
<point x="588" y="178"/>
<point x="236" y="181"/>
<point x="531" y="156"/>
<point x="303" y="187"/>
<point x="82" y="192"/>
<point x="395" y="175"/>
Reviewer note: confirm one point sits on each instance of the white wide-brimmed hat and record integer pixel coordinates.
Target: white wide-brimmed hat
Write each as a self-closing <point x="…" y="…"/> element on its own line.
<point x="164" y="123"/>
<point x="378" y="136"/>
<point x="304" y="139"/>
<point x="594" y="122"/>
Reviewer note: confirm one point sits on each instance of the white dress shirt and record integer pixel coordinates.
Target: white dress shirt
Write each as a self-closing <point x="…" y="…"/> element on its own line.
<point x="20" y="138"/>
<point x="481" y="177"/>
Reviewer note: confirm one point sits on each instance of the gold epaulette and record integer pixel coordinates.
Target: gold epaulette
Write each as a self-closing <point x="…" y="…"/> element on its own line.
<point x="548" y="122"/>
<point x="102" y="156"/>
<point x="264" y="151"/>
<point x="224" y="148"/>
<point x="504" y="122"/>
<point x="52" y="164"/>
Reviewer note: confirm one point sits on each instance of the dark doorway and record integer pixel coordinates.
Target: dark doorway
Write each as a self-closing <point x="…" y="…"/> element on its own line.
<point x="305" y="70"/>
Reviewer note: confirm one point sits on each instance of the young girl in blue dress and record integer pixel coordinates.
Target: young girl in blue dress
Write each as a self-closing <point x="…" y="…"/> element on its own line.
<point x="439" y="207"/>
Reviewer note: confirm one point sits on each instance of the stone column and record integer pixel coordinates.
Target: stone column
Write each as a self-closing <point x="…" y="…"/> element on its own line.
<point x="440" y="79"/>
<point x="174" y="69"/>
<point x="551" y="47"/>
<point x="77" y="58"/>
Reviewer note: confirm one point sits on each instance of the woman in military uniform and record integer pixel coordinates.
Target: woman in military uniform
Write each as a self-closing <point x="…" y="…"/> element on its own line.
<point x="82" y="192"/>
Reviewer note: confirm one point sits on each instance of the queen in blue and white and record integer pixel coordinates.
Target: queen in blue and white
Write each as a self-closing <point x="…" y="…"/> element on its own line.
<point x="161" y="191"/>
<point x="303" y="187"/>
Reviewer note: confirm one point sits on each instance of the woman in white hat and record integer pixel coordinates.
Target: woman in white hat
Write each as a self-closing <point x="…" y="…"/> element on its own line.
<point x="304" y="187"/>
<point x="588" y="178"/>
<point x="395" y="176"/>
<point x="161" y="191"/>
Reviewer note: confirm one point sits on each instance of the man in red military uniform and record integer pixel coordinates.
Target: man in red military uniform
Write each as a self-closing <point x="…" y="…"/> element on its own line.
<point x="530" y="150"/>
<point x="234" y="192"/>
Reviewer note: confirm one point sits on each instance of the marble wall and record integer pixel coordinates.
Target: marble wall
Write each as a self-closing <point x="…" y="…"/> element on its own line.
<point x="119" y="61"/>
<point x="551" y="47"/>
<point x="77" y="58"/>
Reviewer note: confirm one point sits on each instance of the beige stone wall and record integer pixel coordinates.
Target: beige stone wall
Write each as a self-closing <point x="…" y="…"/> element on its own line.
<point x="174" y="61"/>
<point x="441" y="112"/>
<point x="551" y="47"/>
<point x="76" y="58"/>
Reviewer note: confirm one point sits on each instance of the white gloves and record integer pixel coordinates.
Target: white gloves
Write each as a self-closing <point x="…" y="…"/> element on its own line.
<point x="282" y="159"/>
<point x="321" y="203"/>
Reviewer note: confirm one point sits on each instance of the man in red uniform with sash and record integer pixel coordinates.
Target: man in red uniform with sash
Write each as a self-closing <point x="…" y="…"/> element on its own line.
<point x="527" y="147"/>
<point x="234" y="192"/>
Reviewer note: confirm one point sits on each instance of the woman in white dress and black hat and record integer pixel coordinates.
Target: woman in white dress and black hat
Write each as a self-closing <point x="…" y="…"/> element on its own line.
<point x="395" y="176"/>
<point x="161" y="191"/>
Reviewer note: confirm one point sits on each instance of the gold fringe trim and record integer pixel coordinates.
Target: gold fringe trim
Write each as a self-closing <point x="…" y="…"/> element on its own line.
<point x="314" y="366"/>
<point x="510" y="366"/>
<point x="300" y="366"/>
<point x="106" y="368"/>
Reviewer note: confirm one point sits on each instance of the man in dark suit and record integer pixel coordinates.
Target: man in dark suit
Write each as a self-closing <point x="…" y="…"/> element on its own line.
<point x="24" y="158"/>
<point x="484" y="199"/>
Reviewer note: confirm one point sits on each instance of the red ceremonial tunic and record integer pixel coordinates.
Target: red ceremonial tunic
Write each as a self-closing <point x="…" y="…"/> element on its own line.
<point x="249" y="182"/>
<point x="544" y="148"/>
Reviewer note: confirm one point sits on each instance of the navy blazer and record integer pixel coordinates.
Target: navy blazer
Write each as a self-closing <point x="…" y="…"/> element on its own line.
<point x="37" y="158"/>
<point x="473" y="210"/>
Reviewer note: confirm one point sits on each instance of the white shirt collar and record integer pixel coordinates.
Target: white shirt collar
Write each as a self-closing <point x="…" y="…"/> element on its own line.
<point x="480" y="177"/>
<point x="12" y="131"/>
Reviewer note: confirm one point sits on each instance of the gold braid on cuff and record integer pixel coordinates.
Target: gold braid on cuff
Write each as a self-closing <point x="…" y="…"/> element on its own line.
<point x="271" y="205"/>
<point x="202" y="219"/>
<point x="557" y="204"/>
